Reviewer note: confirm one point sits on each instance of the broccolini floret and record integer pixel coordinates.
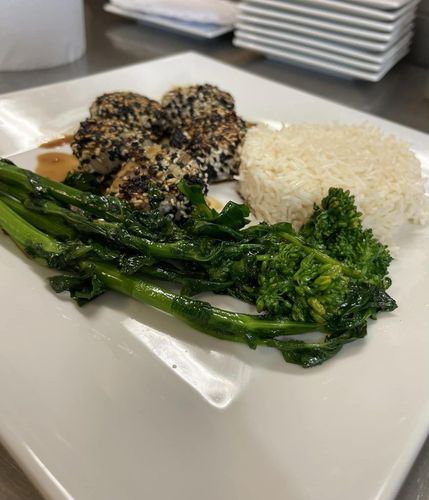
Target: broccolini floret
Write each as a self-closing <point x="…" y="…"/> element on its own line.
<point x="336" y="227"/>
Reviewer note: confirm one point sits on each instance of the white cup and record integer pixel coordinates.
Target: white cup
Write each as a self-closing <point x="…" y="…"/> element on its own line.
<point x="37" y="34"/>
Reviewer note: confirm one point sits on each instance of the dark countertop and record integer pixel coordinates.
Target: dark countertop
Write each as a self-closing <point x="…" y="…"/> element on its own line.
<point x="402" y="96"/>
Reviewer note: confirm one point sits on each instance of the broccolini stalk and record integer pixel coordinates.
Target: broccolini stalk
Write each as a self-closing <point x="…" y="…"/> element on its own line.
<point x="192" y="283"/>
<point x="225" y="325"/>
<point x="151" y="225"/>
<point x="115" y="232"/>
<point x="116" y="222"/>
<point x="199" y="314"/>
<point x="107" y="207"/>
<point x="51" y="225"/>
<point x="26" y="236"/>
<point x="13" y="191"/>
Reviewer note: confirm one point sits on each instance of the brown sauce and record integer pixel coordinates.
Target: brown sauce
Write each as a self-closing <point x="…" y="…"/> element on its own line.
<point x="56" y="165"/>
<point x="60" y="141"/>
<point x="214" y="203"/>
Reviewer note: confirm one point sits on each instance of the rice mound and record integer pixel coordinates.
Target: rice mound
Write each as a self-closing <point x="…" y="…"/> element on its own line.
<point x="284" y="172"/>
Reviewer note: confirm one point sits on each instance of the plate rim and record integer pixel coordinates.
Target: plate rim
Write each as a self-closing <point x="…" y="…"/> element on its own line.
<point x="358" y="53"/>
<point x="332" y="68"/>
<point x="320" y="13"/>
<point x="327" y="26"/>
<point x="374" y="45"/>
<point x="360" y="8"/>
<point x="329" y="56"/>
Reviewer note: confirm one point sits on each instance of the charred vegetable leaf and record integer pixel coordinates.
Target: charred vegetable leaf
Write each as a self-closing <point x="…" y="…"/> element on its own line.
<point x="82" y="288"/>
<point x="232" y="216"/>
<point x="309" y="354"/>
<point x="84" y="181"/>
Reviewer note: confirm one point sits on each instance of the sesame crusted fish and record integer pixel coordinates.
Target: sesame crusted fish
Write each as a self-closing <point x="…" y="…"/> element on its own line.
<point x="214" y="143"/>
<point x="137" y="111"/>
<point x="152" y="178"/>
<point x="102" y="145"/>
<point x="182" y="105"/>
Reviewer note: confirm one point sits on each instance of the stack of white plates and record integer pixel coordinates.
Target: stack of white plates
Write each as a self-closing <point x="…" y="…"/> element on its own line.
<point x="357" y="38"/>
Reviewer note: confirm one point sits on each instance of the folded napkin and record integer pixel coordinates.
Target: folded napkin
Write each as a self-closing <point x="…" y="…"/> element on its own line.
<point x="199" y="11"/>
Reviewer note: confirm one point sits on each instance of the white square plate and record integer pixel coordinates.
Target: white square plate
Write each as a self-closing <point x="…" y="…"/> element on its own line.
<point x="119" y="401"/>
<point x="296" y="30"/>
<point x="360" y="10"/>
<point x="326" y="47"/>
<point x="325" y="55"/>
<point x="382" y="4"/>
<point x="200" y="30"/>
<point x="333" y="16"/>
<point x="335" y="27"/>
<point x="371" y="72"/>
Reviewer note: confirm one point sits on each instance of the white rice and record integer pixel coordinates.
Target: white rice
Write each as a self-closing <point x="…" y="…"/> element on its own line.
<point x="284" y="172"/>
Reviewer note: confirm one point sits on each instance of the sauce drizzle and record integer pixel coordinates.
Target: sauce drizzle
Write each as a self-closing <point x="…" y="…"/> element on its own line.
<point x="55" y="166"/>
<point x="214" y="203"/>
<point x="60" y="141"/>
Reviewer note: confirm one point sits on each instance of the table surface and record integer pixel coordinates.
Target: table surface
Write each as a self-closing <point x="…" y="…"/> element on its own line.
<point x="402" y="96"/>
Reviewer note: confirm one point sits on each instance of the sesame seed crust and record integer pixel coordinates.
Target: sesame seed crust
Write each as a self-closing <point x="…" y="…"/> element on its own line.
<point x="182" y="105"/>
<point x="152" y="178"/>
<point x="214" y="143"/>
<point x="137" y="111"/>
<point x="102" y="145"/>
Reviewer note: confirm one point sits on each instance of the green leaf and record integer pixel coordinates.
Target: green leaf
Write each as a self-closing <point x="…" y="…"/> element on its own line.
<point x="82" y="288"/>
<point x="84" y="181"/>
<point x="195" y="195"/>
<point x="308" y="354"/>
<point x="213" y="230"/>
<point x="361" y="303"/>
<point x="232" y="216"/>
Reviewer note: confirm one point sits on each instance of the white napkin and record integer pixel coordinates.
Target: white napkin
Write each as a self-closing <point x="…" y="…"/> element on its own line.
<point x="199" y="11"/>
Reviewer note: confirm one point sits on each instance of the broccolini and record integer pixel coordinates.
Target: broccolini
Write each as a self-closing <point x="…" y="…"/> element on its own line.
<point x="331" y="276"/>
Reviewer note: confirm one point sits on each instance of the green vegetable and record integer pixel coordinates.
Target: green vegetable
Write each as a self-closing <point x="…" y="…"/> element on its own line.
<point x="330" y="277"/>
<point x="52" y="225"/>
<point x="331" y="270"/>
<point x="336" y="227"/>
<point x="92" y="278"/>
<point x="84" y="181"/>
